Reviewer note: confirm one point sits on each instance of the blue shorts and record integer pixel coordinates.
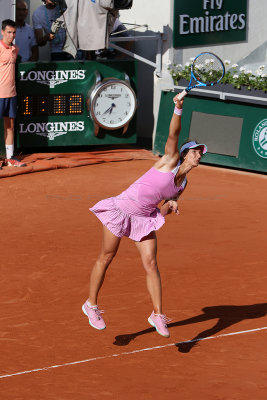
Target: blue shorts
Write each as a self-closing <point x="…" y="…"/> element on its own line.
<point x="8" y="107"/>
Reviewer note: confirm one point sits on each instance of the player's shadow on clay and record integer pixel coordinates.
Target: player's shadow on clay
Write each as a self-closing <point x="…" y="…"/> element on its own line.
<point x="225" y="315"/>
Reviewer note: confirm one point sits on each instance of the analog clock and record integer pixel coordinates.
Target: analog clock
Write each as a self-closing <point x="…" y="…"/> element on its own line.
<point x="112" y="103"/>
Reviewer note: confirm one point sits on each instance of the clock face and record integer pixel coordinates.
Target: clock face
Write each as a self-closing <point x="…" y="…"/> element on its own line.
<point x="113" y="104"/>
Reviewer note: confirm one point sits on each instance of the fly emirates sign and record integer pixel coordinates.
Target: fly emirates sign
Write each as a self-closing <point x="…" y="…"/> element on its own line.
<point x="207" y="22"/>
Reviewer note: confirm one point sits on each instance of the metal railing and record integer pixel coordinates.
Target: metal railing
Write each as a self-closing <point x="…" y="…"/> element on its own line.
<point x="158" y="37"/>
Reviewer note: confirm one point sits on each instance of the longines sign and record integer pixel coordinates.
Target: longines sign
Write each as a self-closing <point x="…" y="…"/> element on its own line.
<point x="207" y="22"/>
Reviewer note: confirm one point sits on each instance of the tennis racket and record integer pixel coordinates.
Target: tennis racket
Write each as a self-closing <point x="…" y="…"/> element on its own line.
<point x="207" y="69"/>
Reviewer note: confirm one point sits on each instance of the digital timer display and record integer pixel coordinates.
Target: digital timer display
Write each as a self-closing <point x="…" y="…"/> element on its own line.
<point x="51" y="104"/>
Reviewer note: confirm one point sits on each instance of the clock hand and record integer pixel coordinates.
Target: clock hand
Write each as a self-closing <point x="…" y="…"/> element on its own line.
<point x="111" y="108"/>
<point x="108" y="110"/>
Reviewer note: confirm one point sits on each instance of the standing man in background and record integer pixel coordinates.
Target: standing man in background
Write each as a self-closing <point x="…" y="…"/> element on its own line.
<point x="42" y="19"/>
<point x="8" y="94"/>
<point x="25" y="38"/>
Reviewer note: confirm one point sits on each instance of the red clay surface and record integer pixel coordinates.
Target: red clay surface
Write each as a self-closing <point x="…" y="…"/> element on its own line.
<point x="212" y="260"/>
<point x="45" y="161"/>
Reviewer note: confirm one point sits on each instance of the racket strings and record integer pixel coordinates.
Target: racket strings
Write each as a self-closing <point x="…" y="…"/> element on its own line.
<point x="208" y="69"/>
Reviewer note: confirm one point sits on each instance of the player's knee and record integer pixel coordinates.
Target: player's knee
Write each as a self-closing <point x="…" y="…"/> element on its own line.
<point x="106" y="258"/>
<point x="150" y="264"/>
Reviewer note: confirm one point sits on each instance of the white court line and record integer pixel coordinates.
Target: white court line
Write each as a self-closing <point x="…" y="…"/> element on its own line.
<point x="129" y="352"/>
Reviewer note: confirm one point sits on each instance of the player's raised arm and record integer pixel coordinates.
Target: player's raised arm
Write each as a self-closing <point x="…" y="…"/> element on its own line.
<point x="171" y="147"/>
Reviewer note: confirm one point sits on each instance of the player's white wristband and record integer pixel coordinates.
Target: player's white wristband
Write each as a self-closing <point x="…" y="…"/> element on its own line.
<point x="178" y="111"/>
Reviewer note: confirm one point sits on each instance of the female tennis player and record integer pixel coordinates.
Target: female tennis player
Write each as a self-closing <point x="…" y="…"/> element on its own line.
<point x="135" y="214"/>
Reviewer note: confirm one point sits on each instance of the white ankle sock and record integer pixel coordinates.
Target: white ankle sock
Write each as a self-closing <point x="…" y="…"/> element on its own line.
<point x="9" y="151"/>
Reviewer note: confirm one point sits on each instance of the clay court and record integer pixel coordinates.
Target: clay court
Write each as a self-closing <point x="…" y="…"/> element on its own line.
<point x="212" y="260"/>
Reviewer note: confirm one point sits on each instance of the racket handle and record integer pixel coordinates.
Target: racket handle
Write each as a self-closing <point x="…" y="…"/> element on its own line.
<point x="182" y="95"/>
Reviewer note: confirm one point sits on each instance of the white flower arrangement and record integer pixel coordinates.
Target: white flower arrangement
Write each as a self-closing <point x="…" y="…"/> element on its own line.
<point x="234" y="75"/>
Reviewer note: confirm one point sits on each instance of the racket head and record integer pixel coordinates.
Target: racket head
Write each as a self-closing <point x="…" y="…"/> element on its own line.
<point x="207" y="69"/>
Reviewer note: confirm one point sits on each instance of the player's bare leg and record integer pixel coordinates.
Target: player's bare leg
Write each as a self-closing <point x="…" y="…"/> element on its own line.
<point x="110" y="245"/>
<point x="148" y="251"/>
<point x="109" y="248"/>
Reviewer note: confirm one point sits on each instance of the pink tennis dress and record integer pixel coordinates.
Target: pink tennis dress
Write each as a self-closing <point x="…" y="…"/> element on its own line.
<point x="134" y="212"/>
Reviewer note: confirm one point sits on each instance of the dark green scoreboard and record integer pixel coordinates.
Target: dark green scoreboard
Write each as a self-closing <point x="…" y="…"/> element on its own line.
<point x="53" y="103"/>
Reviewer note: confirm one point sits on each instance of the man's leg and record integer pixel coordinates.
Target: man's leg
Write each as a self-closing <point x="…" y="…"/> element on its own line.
<point x="9" y="143"/>
<point x="9" y="136"/>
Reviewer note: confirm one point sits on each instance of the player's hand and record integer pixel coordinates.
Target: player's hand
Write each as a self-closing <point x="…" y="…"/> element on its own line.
<point x="169" y="207"/>
<point x="173" y="206"/>
<point x="178" y="103"/>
